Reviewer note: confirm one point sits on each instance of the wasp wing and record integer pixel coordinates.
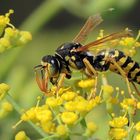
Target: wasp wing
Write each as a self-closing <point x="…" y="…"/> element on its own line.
<point x="107" y="38"/>
<point x="90" y="24"/>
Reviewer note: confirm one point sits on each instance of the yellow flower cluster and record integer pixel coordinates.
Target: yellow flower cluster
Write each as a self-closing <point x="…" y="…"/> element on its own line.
<point x="129" y="105"/>
<point x="62" y="111"/>
<point x="127" y="44"/>
<point x="10" y="36"/>
<point x="117" y="130"/>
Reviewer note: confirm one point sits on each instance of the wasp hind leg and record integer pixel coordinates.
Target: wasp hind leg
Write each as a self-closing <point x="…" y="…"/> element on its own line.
<point x="90" y="69"/>
<point x="135" y="87"/>
<point x="122" y="72"/>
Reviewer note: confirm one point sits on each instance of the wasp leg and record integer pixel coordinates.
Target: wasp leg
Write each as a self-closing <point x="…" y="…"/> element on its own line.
<point x="92" y="71"/>
<point x="123" y="75"/>
<point x="135" y="87"/>
<point x="42" y="82"/>
<point x="60" y="82"/>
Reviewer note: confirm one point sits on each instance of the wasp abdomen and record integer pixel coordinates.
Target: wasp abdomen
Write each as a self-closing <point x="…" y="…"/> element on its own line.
<point x="129" y="66"/>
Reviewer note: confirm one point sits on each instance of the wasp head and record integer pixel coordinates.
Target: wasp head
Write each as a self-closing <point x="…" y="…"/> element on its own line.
<point x="48" y="70"/>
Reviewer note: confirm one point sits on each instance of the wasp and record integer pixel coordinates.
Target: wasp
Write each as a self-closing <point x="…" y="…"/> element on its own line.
<point x="75" y="55"/>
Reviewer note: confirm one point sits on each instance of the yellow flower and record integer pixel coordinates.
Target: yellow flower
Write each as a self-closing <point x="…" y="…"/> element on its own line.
<point x="84" y="106"/>
<point x="61" y="130"/>
<point x="138" y="105"/>
<point x="44" y="115"/>
<point x="118" y="133"/>
<point x="54" y="102"/>
<point x="69" y="95"/>
<point x="81" y="106"/>
<point x="4" y="20"/>
<point x="25" y="37"/>
<point x="17" y="37"/>
<point x="128" y="103"/>
<point x="108" y="88"/>
<point x="30" y="114"/>
<point x="21" y="135"/>
<point x="92" y="127"/>
<point x="4" y="88"/>
<point x="4" y="44"/>
<point x="60" y="91"/>
<point x="138" y="137"/>
<point x="95" y="101"/>
<point x="88" y="83"/>
<point x="10" y="32"/>
<point x="79" y="98"/>
<point x="129" y="42"/>
<point x="118" y="122"/>
<point x="70" y="106"/>
<point x="69" y="117"/>
<point x="7" y="106"/>
<point x="48" y="127"/>
<point x="137" y="126"/>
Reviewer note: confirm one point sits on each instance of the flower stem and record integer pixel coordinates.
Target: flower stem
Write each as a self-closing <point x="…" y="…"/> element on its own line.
<point x="19" y="110"/>
<point x="42" y="15"/>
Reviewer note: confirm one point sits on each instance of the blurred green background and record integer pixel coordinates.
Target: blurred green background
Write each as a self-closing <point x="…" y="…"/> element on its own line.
<point x="51" y="23"/>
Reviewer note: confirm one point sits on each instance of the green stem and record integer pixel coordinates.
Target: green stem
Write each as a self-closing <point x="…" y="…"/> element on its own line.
<point x="19" y="110"/>
<point x="33" y="23"/>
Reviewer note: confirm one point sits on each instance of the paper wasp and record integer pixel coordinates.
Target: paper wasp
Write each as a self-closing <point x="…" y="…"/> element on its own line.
<point x="75" y="55"/>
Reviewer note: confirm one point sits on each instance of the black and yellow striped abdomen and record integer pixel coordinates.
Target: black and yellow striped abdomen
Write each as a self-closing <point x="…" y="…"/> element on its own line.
<point x="129" y="66"/>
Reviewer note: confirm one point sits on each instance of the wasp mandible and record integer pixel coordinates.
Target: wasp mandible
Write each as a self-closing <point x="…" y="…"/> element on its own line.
<point x="75" y="55"/>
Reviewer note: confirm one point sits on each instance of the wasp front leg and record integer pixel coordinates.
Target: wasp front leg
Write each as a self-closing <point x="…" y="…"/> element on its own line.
<point x="41" y="79"/>
<point x="60" y="83"/>
<point x="90" y="71"/>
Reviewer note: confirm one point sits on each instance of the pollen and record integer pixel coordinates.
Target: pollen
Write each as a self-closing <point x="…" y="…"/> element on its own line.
<point x="69" y="117"/>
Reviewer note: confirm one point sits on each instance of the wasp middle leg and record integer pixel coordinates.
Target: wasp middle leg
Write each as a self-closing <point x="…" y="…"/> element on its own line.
<point x="91" y="71"/>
